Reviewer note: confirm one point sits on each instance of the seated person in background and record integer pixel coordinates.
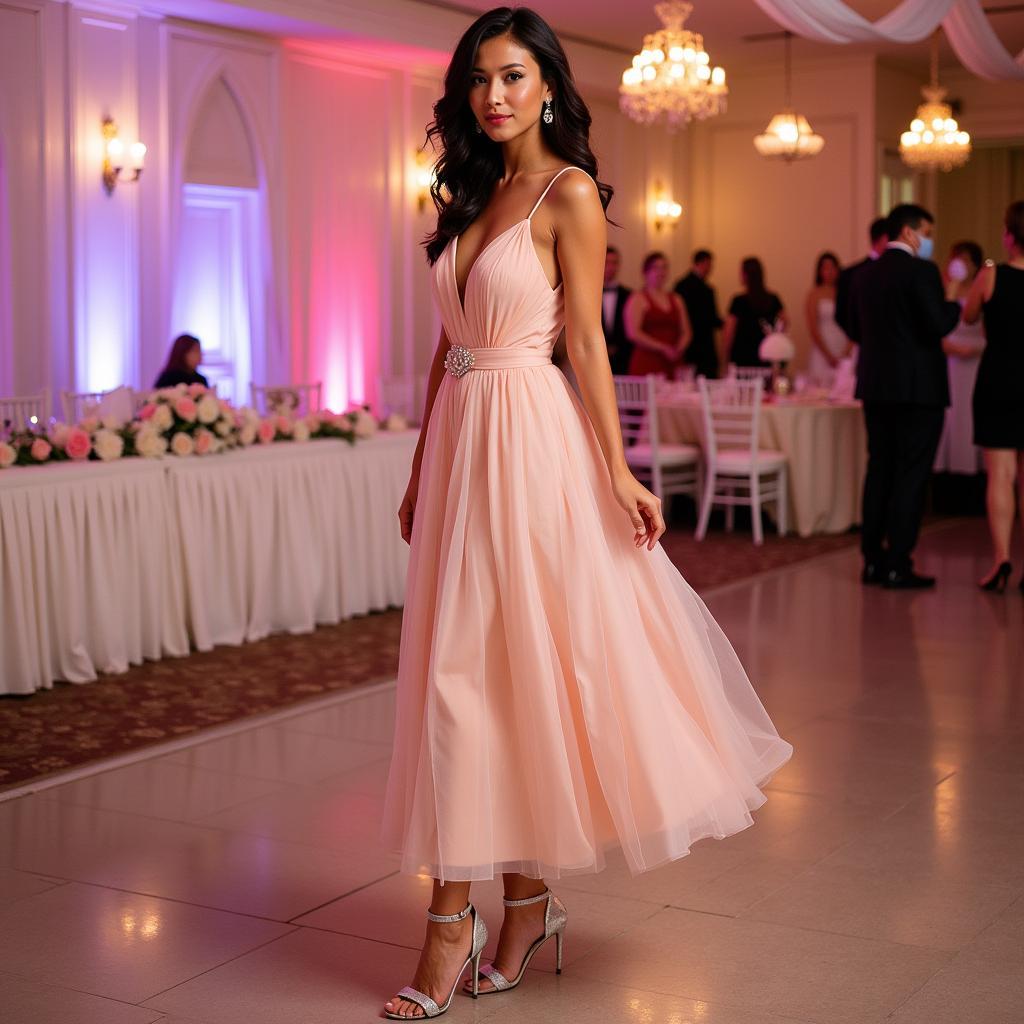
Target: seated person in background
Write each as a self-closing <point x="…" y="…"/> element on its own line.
<point x="752" y="315"/>
<point x="182" y="364"/>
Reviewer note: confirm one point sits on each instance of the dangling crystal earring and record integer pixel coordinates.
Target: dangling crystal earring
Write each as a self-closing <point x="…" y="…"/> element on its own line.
<point x="548" y="115"/>
<point x="476" y="125"/>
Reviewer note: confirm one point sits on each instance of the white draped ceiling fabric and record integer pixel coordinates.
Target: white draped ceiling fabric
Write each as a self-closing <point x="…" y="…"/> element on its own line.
<point x="964" y="21"/>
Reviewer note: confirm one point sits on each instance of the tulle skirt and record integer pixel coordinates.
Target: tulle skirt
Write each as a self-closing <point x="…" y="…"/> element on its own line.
<point x="560" y="691"/>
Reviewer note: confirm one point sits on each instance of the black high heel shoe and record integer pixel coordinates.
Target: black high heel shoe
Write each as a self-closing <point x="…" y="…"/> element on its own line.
<point x="996" y="583"/>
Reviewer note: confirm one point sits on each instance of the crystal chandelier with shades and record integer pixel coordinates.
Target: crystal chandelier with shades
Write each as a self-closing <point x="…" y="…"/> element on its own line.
<point x="935" y="141"/>
<point x="789" y="135"/>
<point x="671" y="78"/>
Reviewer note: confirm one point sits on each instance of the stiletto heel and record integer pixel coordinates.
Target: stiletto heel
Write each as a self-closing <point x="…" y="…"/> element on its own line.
<point x="555" y="917"/>
<point x="430" y="1008"/>
<point x="996" y="583"/>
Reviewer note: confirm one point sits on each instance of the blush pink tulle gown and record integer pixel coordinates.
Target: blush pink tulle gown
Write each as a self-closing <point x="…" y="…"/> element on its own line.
<point x="560" y="691"/>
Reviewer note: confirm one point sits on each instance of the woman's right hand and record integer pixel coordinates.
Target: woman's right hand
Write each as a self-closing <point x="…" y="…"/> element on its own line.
<point x="407" y="508"/>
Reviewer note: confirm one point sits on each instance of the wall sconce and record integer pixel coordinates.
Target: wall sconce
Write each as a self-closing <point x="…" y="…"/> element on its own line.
<point x="666" y="210"/>
<point x="120" y="162"/>
<point x="424" y="178"/>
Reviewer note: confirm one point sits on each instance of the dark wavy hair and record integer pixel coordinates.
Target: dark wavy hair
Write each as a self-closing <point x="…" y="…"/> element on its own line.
<point x="470" y="164"/>
<point x="821" y="262"/>
<point x="183" y="344"/>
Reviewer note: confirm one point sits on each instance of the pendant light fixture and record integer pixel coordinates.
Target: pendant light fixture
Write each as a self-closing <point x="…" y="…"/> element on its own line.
<point x="788" y="136"/>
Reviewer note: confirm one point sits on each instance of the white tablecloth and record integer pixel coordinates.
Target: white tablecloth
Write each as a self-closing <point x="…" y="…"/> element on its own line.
<point x="104" y="565"/>
<point x="824" y="442"/>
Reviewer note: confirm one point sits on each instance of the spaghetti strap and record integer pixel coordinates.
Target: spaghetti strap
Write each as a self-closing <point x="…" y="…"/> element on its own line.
<point x="571" y="167"/>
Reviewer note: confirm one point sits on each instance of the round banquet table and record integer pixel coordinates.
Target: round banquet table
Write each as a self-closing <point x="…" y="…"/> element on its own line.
<point x="824" y="442"/>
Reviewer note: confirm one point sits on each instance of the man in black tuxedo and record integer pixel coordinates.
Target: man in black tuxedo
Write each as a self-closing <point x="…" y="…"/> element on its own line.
<point x="702" y="308"/>
<point x="613" y="305"/>
<point x="899" y="316"/>
<point x="878" y="233"/>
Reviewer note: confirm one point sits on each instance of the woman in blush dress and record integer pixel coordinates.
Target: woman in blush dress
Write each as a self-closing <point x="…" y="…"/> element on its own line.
<point x="957" y="451"/>
<point x="829" y="341"/>
<point x="657" y="324"/>
<point x="998" y="293"/>
<point x="561" y="690"/>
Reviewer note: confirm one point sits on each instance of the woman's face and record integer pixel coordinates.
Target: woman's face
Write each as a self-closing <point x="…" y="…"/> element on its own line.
<point x="656" y="274"/>
<point x="194" y="357"/>
<point x="506" y="90"/>
<point x="829" y="272"/>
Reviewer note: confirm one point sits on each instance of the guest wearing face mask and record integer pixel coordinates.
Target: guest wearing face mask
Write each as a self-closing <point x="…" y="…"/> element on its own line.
<point x="963" y="346"/>
<point x="899" y="317"/>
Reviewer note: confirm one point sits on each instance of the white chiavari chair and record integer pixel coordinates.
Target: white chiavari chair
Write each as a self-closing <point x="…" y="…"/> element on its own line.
<point x="18" y="412"/>
<point x="738" y="471"/>
<point x="667" y="468"/>
<point x="119" y="402"/>
<point x="301" y="399"/>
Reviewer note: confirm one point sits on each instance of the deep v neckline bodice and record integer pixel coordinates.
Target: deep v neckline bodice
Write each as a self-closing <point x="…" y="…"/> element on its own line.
<point x="461" y="297"/>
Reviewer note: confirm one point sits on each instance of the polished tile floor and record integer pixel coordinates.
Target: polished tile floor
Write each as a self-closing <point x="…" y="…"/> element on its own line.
<point x="239" y="881"/>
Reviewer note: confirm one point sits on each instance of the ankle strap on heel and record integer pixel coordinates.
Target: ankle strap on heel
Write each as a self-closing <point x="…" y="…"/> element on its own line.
<point x="530" y="899"/>
<point x="450" y="918"/>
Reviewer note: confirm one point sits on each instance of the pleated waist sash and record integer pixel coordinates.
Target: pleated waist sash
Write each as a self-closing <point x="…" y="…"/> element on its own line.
<point x="460" y="360"/>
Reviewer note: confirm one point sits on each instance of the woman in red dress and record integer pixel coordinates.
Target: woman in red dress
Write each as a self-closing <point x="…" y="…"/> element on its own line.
<point x="656" y="322"/>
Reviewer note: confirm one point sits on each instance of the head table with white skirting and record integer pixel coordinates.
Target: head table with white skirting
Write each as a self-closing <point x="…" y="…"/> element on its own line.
<point x="824" y="443"/>
<point x="103" y="565"/>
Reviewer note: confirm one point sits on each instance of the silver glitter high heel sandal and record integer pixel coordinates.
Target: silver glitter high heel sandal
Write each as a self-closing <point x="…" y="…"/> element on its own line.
<point x="555" y="917"/>
<point x="430" y="1008"/>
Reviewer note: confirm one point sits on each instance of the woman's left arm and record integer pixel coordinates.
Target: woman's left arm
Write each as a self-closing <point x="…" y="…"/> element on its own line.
<point x="581" y="239"/>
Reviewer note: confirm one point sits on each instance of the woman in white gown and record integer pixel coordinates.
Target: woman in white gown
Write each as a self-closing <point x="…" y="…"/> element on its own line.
<point x="957" y="452"/>
<point x="829" y="343"/>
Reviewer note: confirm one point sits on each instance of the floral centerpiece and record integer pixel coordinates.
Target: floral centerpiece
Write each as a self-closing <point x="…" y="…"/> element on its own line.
<point x="186" y="420"/>
<point x="777" y="348"/>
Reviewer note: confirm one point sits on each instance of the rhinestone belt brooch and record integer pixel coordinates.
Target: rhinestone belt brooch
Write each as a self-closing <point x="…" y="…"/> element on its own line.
<point x="459" y="361"/>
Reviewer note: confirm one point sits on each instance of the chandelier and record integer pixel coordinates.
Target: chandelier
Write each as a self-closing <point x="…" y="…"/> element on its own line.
<point x="788" y="136"/>
<point x="671" y="77"/>
<point x="935" y="141"/>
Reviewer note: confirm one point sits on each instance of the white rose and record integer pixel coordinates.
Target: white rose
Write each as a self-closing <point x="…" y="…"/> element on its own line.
<point x="208" y="409"/>
<point x="59" y="436"/>
<point x="300" y="431"/>
<point x="249" y="414"/>
<point x="223" y="428"/>
<point x="112" y="423"/>
<point x="247" y="435"/>
<point x="182" y="444"/>
<point x="150" y="444"/>
<point x="7" y="455"/>
<point x="396" y="421"/>
<point x="364" y="424"/>
<point x="163" y="419"/>
<point x="108" y="445"/>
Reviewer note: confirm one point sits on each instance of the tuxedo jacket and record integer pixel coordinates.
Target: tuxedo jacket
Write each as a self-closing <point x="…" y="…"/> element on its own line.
<point x="843" y="314"/>
<point x="619" y="346"/>
<point x="899" y="316"/>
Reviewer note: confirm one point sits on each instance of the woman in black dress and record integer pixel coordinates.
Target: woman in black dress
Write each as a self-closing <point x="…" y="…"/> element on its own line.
<point x="182" y="364"/>
<point x="998" y="292"/>
<point x="752" y="315"/>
